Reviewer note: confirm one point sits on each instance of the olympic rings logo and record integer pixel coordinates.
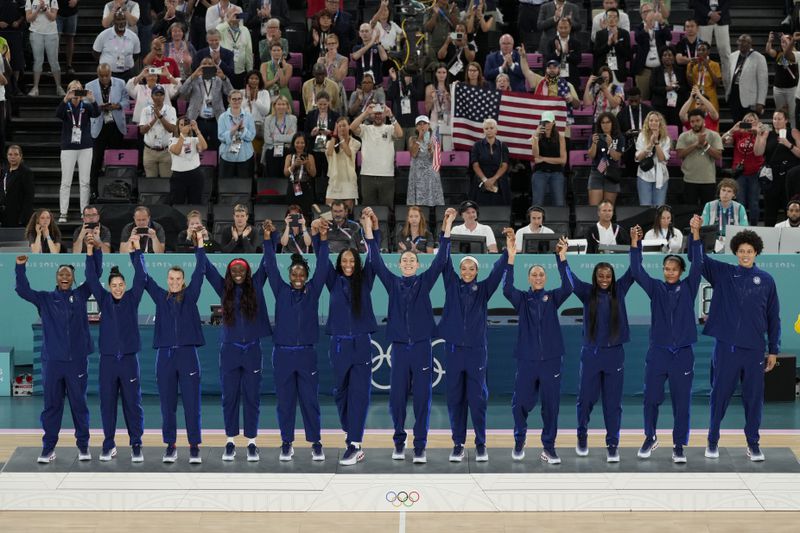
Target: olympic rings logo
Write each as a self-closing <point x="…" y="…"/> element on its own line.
<point x="381" y="357"/>
<point x="402" y="498"/>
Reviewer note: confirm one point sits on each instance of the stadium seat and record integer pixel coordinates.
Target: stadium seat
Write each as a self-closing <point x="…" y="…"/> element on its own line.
<point x="349" y="83"/>
<point x="234" y="190"/>
<point x="402" y="159"/>
<point x="208" y="158"/>
<point x="185" y="208"/>
<point x="579" y="158"/>
<point x="296" y="60"/>
<point x="274" y="212"/>
<point x="535" y="60"/>
<point x="131" y="132"/>
<point x="295" y="84"/>
<point x="585" y="219"/>
<point x="121" y="158"/>
<point x="587" y="60"/>
<point x="153" y="191"/>
<point x="580" y="132"/>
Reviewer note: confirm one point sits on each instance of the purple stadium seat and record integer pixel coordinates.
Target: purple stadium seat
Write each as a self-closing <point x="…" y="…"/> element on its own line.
<point x="121" y="158"/>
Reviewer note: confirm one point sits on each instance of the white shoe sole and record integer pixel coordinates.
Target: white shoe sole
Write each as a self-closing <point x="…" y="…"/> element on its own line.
<point x="84" y="457"/>
<point x="399" y="456"/>
<point x="320" y="457"/>
<point x="195" y="460"/>
<point x="169" y="459"/>
<point x="226" y="457"/>
<point x="357" y="458"/>
<point x="137" y="458"/>
<point x="679" y="460"/>
<point x="481" y="458"/>
<point x="711" y="455"/>
<point x="518" y="457"/>
<point x="581" y="453"/>
<point x="46" y="460"/>
<point x="646" y="455"/>
<point x="420" y="460"/>
<point x="253" y="458"/>
<point x="614" y="459"/>
<point x="288" y="457"/>
<point x="755" y="458"/>
<point x="550" y="460"/>
<point x="107" y="457"/>
<point x="456" y="458"/>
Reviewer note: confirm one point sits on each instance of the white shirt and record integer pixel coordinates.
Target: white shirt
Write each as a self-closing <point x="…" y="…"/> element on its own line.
<point x="189" y="158"/>
<point x="480" y="230"/>
<point x="389" y="38"/>
<point x="115" y="50"/>
<point x="377" y="150"/>
<point x="674" y="245"/>
<point x="157" y="136"/>
<point x="785" y="224"/>
<point x="624" y="22"/>
<point x="527" y="231"/>
<point x="659" y="173"/>
<point x="215" y="15"/>
<point x="42" y="25"/>
<point x="260" y="107"/>
<point x="606" y="236"/>
<point x="140" y="94"/>
<point x="132" y="8"/>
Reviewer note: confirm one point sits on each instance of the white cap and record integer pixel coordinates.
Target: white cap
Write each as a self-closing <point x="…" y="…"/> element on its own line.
<point x="422" y="118"/>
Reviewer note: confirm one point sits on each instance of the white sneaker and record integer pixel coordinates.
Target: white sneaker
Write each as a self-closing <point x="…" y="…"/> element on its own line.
<point x="62" y="219"/>
<point x="84" y="454"/>
<point x="34" y="92"/>
<point x="60" y="92"/>
<point x="108" y="455"/>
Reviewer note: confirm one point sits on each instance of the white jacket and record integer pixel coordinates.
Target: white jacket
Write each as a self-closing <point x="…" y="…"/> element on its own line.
<point x="754" y="81"/>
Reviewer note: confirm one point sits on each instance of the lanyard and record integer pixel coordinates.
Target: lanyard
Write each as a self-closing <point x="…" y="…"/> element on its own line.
<point x="282" y="128"/>
<point x="5" y="180"/>
<point x="207" y="87"/>
<point x="235" y="39"/>
<point x="689" y="51"/>
<point x="75" y="123"/>
<point x="726" y="213"/>
<point x="670" y="78"/>
<point x="296" y="244"/>
<point x="440" y="100"/>
<point x="639" y="124"/>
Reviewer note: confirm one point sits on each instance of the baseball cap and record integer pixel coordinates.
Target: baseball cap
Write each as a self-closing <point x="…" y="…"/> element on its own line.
<point x="548" y="116"/>
<point x="422" y="118"/>
<point x="158" y="89"/>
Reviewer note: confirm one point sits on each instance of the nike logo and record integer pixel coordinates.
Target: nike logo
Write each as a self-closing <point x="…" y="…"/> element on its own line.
<point x="619" y="369"/>
<point x="425" y="368"/>
<point x="557" y="375"/>
<point x="687" y="373"/>
<point x="480" y="368"/>
<point x="314" y="372"/>
<point x="256" y="371"/>
<point x="80" y="376"/>
<point x="192" y="373"/>
<point x="133" y="380"/>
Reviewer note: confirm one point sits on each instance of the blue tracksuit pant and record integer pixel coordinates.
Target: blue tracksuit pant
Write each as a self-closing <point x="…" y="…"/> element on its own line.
<point x="602" y="373"/>
<point x="240" y="377"/>
<point x="536" y="379"/>
<point x="677" y="366"/>
<point x="296" y="377"/>
<point x="60" y="379"/>
<point x="176" y="367"/>
<point x="412" y="371"/>
<point x="351" y="359"/>
<point x="466" y="388"/>
<point x="730" y="365"/>
<point x="119" y="377"/>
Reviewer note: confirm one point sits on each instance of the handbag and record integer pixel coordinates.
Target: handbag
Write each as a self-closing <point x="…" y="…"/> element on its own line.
<point x="647" y="164"/>
<point x="613" y="173"/>
<point x="765" y="178"/>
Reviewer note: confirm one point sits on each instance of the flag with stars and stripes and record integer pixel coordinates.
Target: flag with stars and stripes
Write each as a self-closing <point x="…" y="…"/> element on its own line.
<point x="517" y="116"/>
<point x="436" y="151"/>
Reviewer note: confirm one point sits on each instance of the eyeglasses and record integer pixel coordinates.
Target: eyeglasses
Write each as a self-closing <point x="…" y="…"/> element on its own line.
<point x="239" y="99"/>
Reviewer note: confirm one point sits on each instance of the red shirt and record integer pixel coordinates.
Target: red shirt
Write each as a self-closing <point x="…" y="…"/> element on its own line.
<point x="315" y="6"/>
<point x="170" y="64"/>
<point x="743" y="143"/>
<point x="711" y="124"/>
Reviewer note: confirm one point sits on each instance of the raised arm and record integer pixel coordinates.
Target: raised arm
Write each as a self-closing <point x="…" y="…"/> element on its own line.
<point x="23" y="287"/>
<point x="374" y="252"/>
<point x="563" y="292"/>
<point x="192" y="292"/>
<point x="512" y="294"/>
<point x="494" y="278"/>
<point x="323" y="261"/>
<point x="639" y="275"/>
<point x="213" y="276"/>
<point x="270" y="262"/>
<point x="443" y="254"/>
<point x="93" y="258"/>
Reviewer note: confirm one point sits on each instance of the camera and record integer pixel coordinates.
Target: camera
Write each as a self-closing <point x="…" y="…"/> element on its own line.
<point x="80" y="92"/>
<point x="209" y="72"/>
<point x="294" y="220"/>
<point x="92" y="225"/>
<point x="456" y="35"/>
<point x="378" y="108"/>
<point x="746" y="126"/>
<point x="154" y="70"/>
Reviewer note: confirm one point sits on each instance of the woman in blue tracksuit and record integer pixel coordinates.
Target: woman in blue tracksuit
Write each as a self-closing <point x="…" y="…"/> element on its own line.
<point x="66" y="345"/>
<point x="245" y="321"/>
<point x="673" y="332"/>
<point x="410" y="328"/>
<point x="177" y="335"/>
<point x="539" y="351"/>
<point x="744" y="309"/>
<point x="294" y="356"/>
<point x="119" y="347"/>
<point x="463" y="328"/>
<point x="605" y="330"/>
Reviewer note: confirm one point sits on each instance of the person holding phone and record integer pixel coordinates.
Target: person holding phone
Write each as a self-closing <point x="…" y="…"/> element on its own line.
<point x="300" y="167"/>
<point x="186" y="182"/>
<point x="295" y="238"/>
<point x="204" y="90"/>
<point x="549" y="149"/>
<point x="101" y="235"/>
<point x="150" y="233"/>
<point x="746" y="164"/>
<point x="424" y="183"/>
<point x="341" y="152"/>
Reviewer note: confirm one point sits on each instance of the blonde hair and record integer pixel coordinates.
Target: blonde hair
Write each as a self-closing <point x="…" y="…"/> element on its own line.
<point x="282" y="98"/>
<point x="662" y="126"/>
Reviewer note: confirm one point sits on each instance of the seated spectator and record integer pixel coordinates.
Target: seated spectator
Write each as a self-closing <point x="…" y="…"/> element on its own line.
<point x="377" y="154"/>
<point x="186" y="182"/>
<point x="295" y="238"/>
<point x="336" y="66"/>
<point x="390" y="34"/>
<point x="236" y="131"/>
<point x="118" y="46"/>
<point x="194" y="223"/>
<point x="535" y="226"/>
<point x="784" y="83"/>
<point x="652" y="35"/>
<point x="220" y="57"/>
<point x="151" y="234"/>
<point x="171" y="15"/>
<point x="16" y="196"/>
<point x="668" y="86"/>
<point x="424" y="182"/>
<point x="129" y="9"/>
<point x="236" y="38"/>
<point x="344" y="233"/>
<point x="549" y="16"/>
<point x="457" y="51"/>
<point x="792" y="215"/>
<point x="653" y="143"/>
<point x="319" y="125"/>
<point x="142" y="93"/>
<point x="706" y="74"/>
<point x="505" y="61"/>
<point x="258" y="103"/>
<point x="43" y="33"/>
<point x="780" y="148"/>
<point x="600" y="21"/>
<point x="699" y="148"/>
<point x="747" y="82"/>
<point x="91" y="225"/>
<point x="489" y="165"/>
<point x="566" y="50"/>
<point x="217" y="13"/>
<point x="414" y="235"/>
<point x="180" y="50"/>
<point x="605" y="150"/>
<point x="697" y="100"/>
<point x="663" y="230"/>
<point x="437" y="104"/>
<point x="474" y="77"/>
<point x="272" y="33"/>
<point x="605" y="232"/>
<point x="469" y="212"/>
<point x="240" y="237"/>
<point x="631" y="118"/>
<point x="158" y="123"/>
<point x="205" y="99"/>
<point x="686" y="49"/>
<point x="343" y="26"/>
<point x="746" y="164"/>
<point x="724" y="211"/>
<point x="602" y="93"/>
<point x="549" y="149"/>
<point x="365" y="96"/>
<point x="42" y="233"/>
<point x="299" y="166"/>
<point x="318" y="83"/>
<point x="276" y="73"/>
<point x="439" y="22"/>
<point x="612" y="48"/>
<point x="369" y="54"/>
<point x="405" y="92"/>
<point x="157" y="59"/>
<point x="279" y="129"/>
<point x="341" y="164"/>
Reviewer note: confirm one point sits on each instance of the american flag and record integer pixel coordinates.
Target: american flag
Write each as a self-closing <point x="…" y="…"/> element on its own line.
<point x="436" y="151"/>
<point x="517" y="116"/>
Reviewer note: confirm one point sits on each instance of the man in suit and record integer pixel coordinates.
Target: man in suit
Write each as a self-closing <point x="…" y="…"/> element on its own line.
<point x="565" y="49"/>
<point x="551" y="13"/>
<point x="631" y="118"/>
<point x="109" y="128"/>
<point x="748" y="81"/>
<point x="651" y="36"/>
<point x="505" y="61"/>
<point x="222" y="57"/>
<point x="612" y="47"/>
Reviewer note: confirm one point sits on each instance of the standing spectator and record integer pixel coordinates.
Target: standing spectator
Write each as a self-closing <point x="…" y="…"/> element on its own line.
<point x="279" y="129"/>
<point x="369" y="54"/>
<point x="276" y="73"/>
<point x="696" y="100"/>
<point x="318" y="83"/>
<point x="605" y="149"/>
<point x="714" y="17"/>
<point x="747" y="85"/>
<point x="197" y="23"/>
<point x="158" y="123"/>
<point x="171" y="15"/>
<point x="549" y="16"/>
<point x="204" y="93"/>
<point x="527" y="23"/>
<point x="535" y="226"/>
<point x="390" y="34"/>
<point x="129" y="9"/>
<point x="75" y="112"/>
<point x="295" y="238"/>
<point x="240" y="237"/>
<point x="549" y="149"/>
<point x="340" y="153"/>
<point x="5" y="70"/>
<point x="706" y="74"/>
<point x="489" y="164"/>
<point x="424" y="183"/>
<point x="668" y="86"/>
<point x="300" y="168"/>
<point x="142" y="93"/>
<point x="236" y="131"/>
<point x="67" y="23"/>
<point x="746" y="164"/>
<point x="220" y="57"/>
<point x="321" y="30"/>
<point x="42" y="233"/>
<point x="101" y="235"/>
<point x="605" y="232"/>
<point x="784" y="83"/>
<point x="612" y="47"/>
<point x="12" y="24"/>
<point x="366" y="95"/>
<point x="145" y="25"/>
<point x="652" y="145"/>
<point x="686" y="49"/>
<point x="117" y="46"/>
<point x="319" y="125"/>
<point x="16" y="195"/>
<point x="405" y="92"/>
<point x="781" y="150"/>
<point x="600" y="21"/>
<point x="109" y="128"/>
<point x="566" y="50"/>
<point x="479" y="24"/>
<point x="699" y="148"/>
<point x="186" y="182"/>
<point x="343" y="26"/>
<point x="258" y="103"/>
<point x="437" y="105"/>
<point x="663" y="230"/>
<point x="377" y="155"/>
<point x="41" y="16"/>
<point x="180" y="50"/>
<point x="506" y="61"/>
<point x="217" y="14"/>
<point x="724" y="211"/>
<point x="469" y="212"/>
<point x="651" y="36"/>
<point x="262" y="12"/>
<point x="150" y="233"/>
<point x="157" y="59"/>
<point x="236" y="38"/>
<point x="414" y="235"/>
<point x="439" y="22"/>
<point x="553" y="84"/>
<point x="631" y="119"/>
<point x="336" y="66"/>
<point x="457" y="51"/>
<point x="602" y="93"/>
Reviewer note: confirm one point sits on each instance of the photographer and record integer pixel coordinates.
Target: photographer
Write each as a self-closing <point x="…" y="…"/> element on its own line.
<point x="194" y="224"/>
<point x="186" y="183"/>
<point x="365" y="96"/>
<point x="142" y="93"/>
<point x="150" y="233"/>
<point x="602" y="93"/>
<point x="457" y="52"/>
<point x="746" y="164"/>
<point x="605" y="149"/>
<point x="784" y="83"/>
<point x="109" y="128"/>
<point x="204" y="90"/>
<point x="405" y="91"/>
<point x="295" y="238"/>
<point x="101" y="235"/>
<point x="706" y="74"/>
<point x="301" y="169"/>
<point x="377" y="156"/>
<point x="41" y="16"/>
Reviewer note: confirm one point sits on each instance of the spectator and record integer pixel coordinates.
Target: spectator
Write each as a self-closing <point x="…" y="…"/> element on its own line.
<point x="612" y="47"/>
<point x="109" y="128"/>
<point x="478" y="25"/>
<point x="696" y="100"/>
<point x="390" y="34"/>
<point x="107" y="48"/>
<point x="668" y="86"/>
<point x="197" y="23"/>
<point x="145" y="25"/>
<point x="439" y="22"/>
<point x="237" y="39"/>
<point x="299" y="166"/>
<point x="724" y="211"/>
<point x="705" y="74"/>
<point x="506" y="61"/>
<point x="319" y="125"/>
<point x="321" y="30"/>
<point x="631" y="119"/>
<point x="502" y="83"/>
<point x="405" y="92"/>
<point x="41" y="17"/>
<point x="91" y="225"/>
<point x="424" y="183"/>
<point x="75" y="112"/>
<point x="204" y="92"/>
<point x="340" y="152"/>
<point x="714" y="17"/>
<point x="437" y="105"/>
<point x="566" y="50"/>
<point x="220" y="57"/>
<point x="549" y="16"/>
<point x="653" y="144"/>
<point x="651" y="36"/>
<point x="157" y="123"/>
<point x="257" y="102"/>
<point x="343" y="26"/>
<point x="218" y="13"/>
<point x="784" y="83"/>
<point x="369" y="54"/>
<point x="489" y="164"/>
<point x="194" y="223"/>
<point x="5" y="69"/>
<point x="746" y="164"/>
<point x="475" y="77"/>
<point x="792" y="215"/>
<point x="336" y="66"/>
<point x="344" y="233"/>
<point x="603" y="93"/>
<point x="469" y="212"/>
<point x="129" y="9"/>
<point x="747" y="85"/>
<point x="605" y="232"/>
<point x="142" y="93"/>
<point x="535" y="226"/>
<point x="295" y="238"/>
<point x="171" y="15"/>
<point x="699" y="148"/>
<point x="16" y="195"/>
<point x="157" y="59"/>
<point x="606" y="146"/>
<point x="365" y="96"/>
<point x="12" y="24"/>
<point x="553" y="84"/>
<point x="276" y="73"/>
<point x="151" y="233"/>
<point x="320" y="82"/>
<point x="240" y="237"/>
<point x="42" y="233"/>
<point x="279" y="129"/>
<point x="457" y="51"/>
<point x="262" y="12"/>
<point x="663" y="230"/>
<point x="549" y="149"/>
<point x="236" y="131"/>
<point x="781" y="150"/>
<point x="186" y="182"/>
<point x="600" y="21"/>
<point x="527" y="23"/>
<point x="414" y="235"/>
<point x="273" y="29"/>
<point x="377" y="155"/>
<point x="180" y="50"/>
<point x="686" y="49"/>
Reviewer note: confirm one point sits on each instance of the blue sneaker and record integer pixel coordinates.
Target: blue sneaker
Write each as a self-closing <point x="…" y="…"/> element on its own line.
<point x="352" y="455"/>
<point x="755" y="454"/>
<point x="457" y="455"/>
<point x="287" y="451"/>
<point x="582" y="448"/>
<point x="712" y="450"/>
<point x="518" y="453"/>
<point x="230" y="452"/>
<point x="647" y="448"/>
<point x="612" y="454"/>
<point x="317" y="454"/>
<point x="678" y="456"/>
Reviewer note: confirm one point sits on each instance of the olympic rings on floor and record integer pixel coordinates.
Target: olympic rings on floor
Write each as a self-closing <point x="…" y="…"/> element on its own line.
<point x="403" y="498"/>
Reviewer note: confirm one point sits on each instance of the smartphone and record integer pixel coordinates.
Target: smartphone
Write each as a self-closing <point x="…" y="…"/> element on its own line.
<point x="142" y="231"/>
<point x="80" y="92"/>
<point x="294" y="220"/>
<point x="209" y="72"/>
<point x="92" y="225"/>
<point x="456" y="35"/>
<point x="154" y="70"/>
<point x="378" y="108"/>
<point x="746" y="126"/>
